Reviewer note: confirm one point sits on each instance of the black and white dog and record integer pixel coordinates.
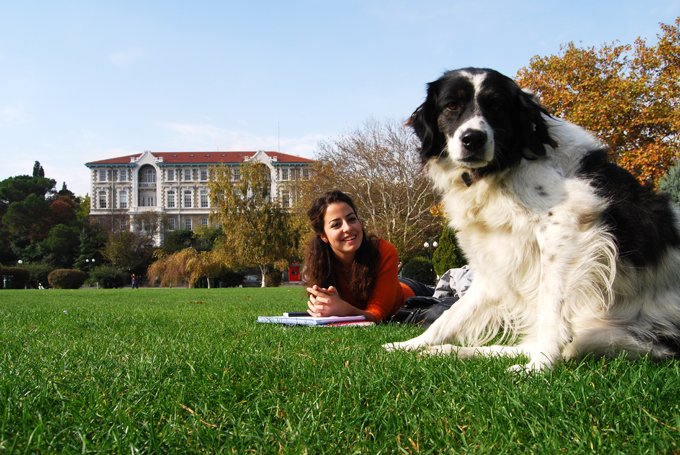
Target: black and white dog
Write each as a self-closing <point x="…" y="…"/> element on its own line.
<point x="571" y="255"/>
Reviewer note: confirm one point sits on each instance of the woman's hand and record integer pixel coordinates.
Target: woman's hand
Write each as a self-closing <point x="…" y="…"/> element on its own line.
<point x="327" y="302"/>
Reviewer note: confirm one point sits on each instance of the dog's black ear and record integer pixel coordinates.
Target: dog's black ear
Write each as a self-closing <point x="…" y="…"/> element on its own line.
<point x="424" y="123"/>
<point x="534" y="130"/>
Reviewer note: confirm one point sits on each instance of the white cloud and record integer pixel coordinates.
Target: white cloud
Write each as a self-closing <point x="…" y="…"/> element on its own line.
<point x="126" y="57"/>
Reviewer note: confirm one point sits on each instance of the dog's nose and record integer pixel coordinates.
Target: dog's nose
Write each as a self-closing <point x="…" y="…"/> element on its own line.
<point x="473" y="140"/>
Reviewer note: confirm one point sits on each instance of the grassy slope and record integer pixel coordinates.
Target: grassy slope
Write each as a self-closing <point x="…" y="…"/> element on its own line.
<point x="185" y="370"/>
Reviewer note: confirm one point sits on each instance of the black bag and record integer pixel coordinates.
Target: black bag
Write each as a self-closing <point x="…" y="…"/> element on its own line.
<point x="423" y="311"/>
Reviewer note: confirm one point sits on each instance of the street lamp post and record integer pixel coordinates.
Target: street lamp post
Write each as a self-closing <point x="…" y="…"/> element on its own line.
<point x="19" y="262"/>
<point x="90" y="264"/>
<point x="430" y="247"/>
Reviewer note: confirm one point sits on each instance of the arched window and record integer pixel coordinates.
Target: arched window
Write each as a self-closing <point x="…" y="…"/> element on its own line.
<point x="147" y="175"/>
<point x="147" y="186"/>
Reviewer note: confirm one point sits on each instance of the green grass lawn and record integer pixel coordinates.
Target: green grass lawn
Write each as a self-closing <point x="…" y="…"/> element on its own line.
<point x="189" y="370"/>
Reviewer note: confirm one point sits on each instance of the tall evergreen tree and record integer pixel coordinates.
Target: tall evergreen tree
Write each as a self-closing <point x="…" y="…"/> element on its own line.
<point x="38" y="170"/>
<point x="448" y="254"/>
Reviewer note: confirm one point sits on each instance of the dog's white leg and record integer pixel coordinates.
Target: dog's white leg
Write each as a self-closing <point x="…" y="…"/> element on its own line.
<point x="550" y="331"/>
<point x="448" y="325"/>
<point x="466" y="352"/>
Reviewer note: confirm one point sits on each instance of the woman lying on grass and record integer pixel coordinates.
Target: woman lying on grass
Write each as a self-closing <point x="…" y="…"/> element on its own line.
<point x="350" y="273"/>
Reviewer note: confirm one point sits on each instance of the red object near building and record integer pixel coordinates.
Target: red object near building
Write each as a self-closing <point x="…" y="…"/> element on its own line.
<point x="294" y="272"/>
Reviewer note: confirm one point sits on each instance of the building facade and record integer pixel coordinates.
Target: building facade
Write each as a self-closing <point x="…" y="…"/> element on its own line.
<point x="166" y="191"/>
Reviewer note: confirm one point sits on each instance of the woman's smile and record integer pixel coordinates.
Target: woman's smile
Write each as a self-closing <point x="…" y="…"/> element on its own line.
<point x="343" y="230"/>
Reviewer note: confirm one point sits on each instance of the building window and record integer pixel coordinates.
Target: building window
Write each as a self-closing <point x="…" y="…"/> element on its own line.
<point x="148" y="175"/>
<point x="236" y="174"/>
<point x="102" y="175"/>
<point x="122" y="175"/>
<point x="204" y="198"/>
<point x="122" y="199"/>
<point x="147" y="198"/>
<point x="204" y="221"/>
<point x="170" y="199"/>
<point x="187" y="201"/>
<point x="305" y="173"/>
<point x="172" y="224"/>
<point x="285" y="199"/>
<point x="102" y="199"/>
<point x="284" y="174"/>
<point x="187" y="175"/>
<point x="203" y="174"/>
<point x="122" y="224"/>
<point x="187" y="224"/>
<point x="171" y="175"/>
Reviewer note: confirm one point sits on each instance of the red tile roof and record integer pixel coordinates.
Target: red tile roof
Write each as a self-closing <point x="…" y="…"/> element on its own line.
<point x="204" y="158"/>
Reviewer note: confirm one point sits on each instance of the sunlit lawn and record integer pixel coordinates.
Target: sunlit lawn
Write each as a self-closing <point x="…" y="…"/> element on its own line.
<point x="189" y="370"/>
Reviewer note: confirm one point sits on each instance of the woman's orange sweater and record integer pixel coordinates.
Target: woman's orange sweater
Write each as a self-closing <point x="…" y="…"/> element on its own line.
<point x="388" y="294"/>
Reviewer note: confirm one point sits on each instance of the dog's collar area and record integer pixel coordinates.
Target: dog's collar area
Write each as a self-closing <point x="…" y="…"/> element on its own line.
<point x="468" y="179"/>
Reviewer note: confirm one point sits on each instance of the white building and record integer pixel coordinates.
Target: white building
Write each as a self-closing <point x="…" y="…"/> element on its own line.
<point x="128" y="192"/>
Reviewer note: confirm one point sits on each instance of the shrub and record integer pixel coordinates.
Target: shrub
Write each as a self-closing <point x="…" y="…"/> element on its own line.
<point x="448" y="254"/>
<point x="420" y="269"/>
<point x="39" y="272"/>
<point x="66" y="278"/>
<point x="273" y="279"/>
<point x="107" y="277"/>
<point x="14" y="277"/>
<point x="670" y="183"/>
<point x="229" y="279"/>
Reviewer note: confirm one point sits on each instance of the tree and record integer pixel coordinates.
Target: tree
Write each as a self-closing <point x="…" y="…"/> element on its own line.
<point x="91" y="242"/>
<point x="628" y="95"/>
<point x="448" y="254"/>
<point x="670" y="183"/>
<point x="256" y="230"/>
<point x="129" y="251"/>
<point x="27" y="220"/>
<point x="205" y="264"/>
<point x="61" y="245"/>
<point x="63" y="210"/>
<point x="379" y="166"/>
<point x="171" y="269"/>
<point x="38" y="170"/>
<point x="16" y="189"/>
<point x="177" y="240"/>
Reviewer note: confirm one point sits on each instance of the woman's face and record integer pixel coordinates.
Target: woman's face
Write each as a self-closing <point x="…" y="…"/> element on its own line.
<point x="342" y="230"/>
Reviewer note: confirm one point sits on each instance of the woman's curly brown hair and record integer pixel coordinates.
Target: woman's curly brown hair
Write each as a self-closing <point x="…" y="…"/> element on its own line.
<point x="321" y="265"/>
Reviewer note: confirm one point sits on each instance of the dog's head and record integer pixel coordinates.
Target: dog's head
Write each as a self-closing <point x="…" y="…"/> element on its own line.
<point x="481" y="120"/>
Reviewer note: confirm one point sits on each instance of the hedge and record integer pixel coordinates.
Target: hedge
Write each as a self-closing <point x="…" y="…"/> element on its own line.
<point x="14" y="277"/>
<point x="39" y="272"/>
<point x="107" y="277"/>
<point x="420" y="269"/>
<point x="66" y="278"/>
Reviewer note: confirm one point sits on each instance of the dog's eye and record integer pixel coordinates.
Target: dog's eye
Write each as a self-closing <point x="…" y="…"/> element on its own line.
<point x="452" y="107"/>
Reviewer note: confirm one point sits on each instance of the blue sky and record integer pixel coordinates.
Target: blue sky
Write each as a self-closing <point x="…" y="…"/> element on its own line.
<point x="84" y="80"/>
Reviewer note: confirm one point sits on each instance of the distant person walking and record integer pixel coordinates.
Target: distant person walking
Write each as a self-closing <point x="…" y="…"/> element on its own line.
<point x="133" y="280"/>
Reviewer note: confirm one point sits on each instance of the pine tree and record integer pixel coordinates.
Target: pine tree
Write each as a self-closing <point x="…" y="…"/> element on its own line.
<point x="448" y="254"/>
<point x="670" y="183"/>
<point x="38" y="170"/>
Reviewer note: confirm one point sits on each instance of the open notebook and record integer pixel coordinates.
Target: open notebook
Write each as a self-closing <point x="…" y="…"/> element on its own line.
<point x="333" y="321"/>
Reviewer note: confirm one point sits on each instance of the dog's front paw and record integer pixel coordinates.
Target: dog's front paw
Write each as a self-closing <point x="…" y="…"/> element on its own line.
<point x="410" y="345"/>
<point x="440" y="349"/>
<point x="534" y="366"/>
